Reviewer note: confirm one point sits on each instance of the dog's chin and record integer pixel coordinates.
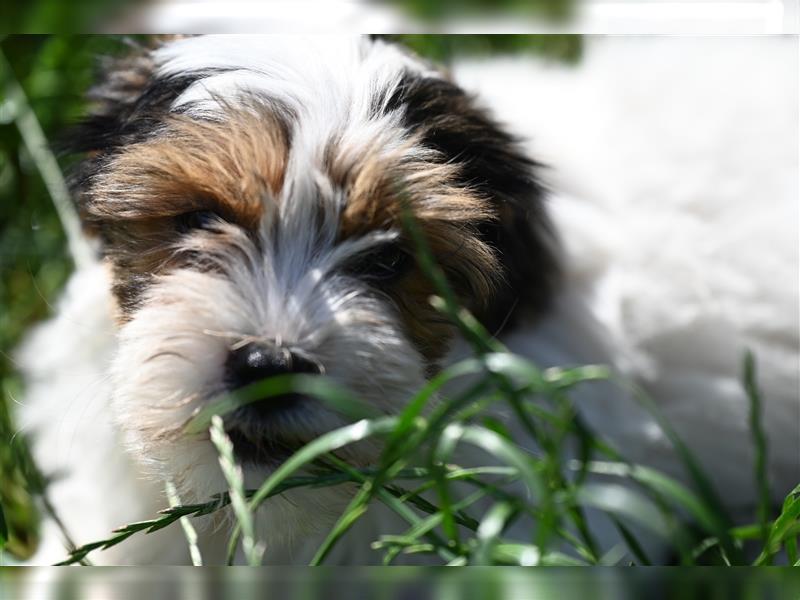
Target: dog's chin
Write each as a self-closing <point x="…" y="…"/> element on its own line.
<point x="266" y="433"/>
<point x="260" y="452"/>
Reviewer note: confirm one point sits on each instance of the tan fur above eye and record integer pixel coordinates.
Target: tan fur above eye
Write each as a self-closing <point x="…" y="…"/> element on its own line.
<point x="380" y="186"/>
<point x="229" y="166"/>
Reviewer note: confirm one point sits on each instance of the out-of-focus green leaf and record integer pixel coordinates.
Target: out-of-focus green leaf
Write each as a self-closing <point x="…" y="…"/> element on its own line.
<point x="3" y="528"/>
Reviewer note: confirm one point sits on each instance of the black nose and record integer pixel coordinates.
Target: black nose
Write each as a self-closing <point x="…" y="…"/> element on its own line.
<point x="259" y="360"/>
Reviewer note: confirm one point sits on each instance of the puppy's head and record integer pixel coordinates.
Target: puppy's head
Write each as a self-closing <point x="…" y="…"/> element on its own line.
<point x="249" y="195"/>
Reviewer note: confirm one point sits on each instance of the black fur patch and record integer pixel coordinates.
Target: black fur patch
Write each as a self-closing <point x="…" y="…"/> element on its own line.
<point x="130" y="105"/>
<point x="451" y="122"/>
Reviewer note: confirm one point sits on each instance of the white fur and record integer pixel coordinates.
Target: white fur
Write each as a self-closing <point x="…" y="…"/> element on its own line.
<point x="328" y="82"/>
<point x="675" y="192"/>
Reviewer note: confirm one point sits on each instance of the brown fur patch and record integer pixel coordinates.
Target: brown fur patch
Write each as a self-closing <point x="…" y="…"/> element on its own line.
<point x="380" y="188"/>
<point x="228" y="167"/>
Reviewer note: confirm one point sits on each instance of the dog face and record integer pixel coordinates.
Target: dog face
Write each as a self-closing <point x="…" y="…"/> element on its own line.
<point x="248" y="194"/>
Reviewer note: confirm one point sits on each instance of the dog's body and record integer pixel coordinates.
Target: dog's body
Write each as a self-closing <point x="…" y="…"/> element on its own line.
<point x="668" y="284"/>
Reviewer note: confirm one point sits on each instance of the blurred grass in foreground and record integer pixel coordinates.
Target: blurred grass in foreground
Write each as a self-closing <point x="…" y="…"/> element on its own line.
<point x="416" y="477"/>
<point x="398" y="583"/>
<point x="444" y="48"/>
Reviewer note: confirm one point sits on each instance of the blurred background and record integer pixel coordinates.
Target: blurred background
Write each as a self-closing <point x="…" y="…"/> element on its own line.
<point x="403" y="16"/>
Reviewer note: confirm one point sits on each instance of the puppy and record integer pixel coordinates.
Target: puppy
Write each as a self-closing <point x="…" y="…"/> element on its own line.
<point x="246" y="197"/>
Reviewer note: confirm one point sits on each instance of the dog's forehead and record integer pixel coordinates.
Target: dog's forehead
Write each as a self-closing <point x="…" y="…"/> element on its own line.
<point x="333" y="94"/>
<point x="329" y="80"/>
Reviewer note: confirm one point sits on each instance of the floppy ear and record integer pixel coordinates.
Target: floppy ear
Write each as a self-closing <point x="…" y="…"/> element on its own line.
<point x="114" y="102"/>
<point x="492" y="162"/>
<point x="126" y="98"/>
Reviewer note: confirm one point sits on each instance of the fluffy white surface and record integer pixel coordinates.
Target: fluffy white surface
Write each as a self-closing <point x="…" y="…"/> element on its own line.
<point x="675" y="178"/>
<point x="675" y="170"/>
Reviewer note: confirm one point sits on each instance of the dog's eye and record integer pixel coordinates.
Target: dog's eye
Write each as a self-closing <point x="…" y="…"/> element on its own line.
<point x="383" y="265"/>
<point x="198" y="219"/>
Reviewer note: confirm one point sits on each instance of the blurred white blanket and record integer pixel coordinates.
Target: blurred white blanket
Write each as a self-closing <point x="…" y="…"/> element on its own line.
<point x="674" y="169"/>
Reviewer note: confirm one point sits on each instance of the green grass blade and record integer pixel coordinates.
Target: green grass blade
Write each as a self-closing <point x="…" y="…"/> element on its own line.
<point x="426" y="525"/>
<point x="355" y="510"/>
<point x="3" y="529"/>
<point x="708" y="494"/>
<point x="320" y="388"/>
<point x="446" y="302"/>
<point x="400" y="440"/>
<point x="233" y="475"/>
<point x="528" y="555"/>
<point x="630" y="540"/>
<point x="437" y="459"/>
<point x="36" y="143"/>
<point x="525" y="372"/>
<point x="621" y="501"/>
<point x="490" y="529"/>
<point x="169" y="515"/>
<point x="498" y="446"/>
<point x="326" y="443"/>
<point x="406" y="513"/>
<point x="372" y="488"/>
<point x="759" y="445"/>
<point x="791" y="549"/>
<point x="782" y="528"/>
<point x="660" y="483"/>
<point x="188" y="529"/>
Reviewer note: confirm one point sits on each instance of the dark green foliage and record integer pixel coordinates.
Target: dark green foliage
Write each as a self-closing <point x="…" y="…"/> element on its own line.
<point x="49" y="16"/>
<point x="443" y="48"/>
<point x="550" y="10"/>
